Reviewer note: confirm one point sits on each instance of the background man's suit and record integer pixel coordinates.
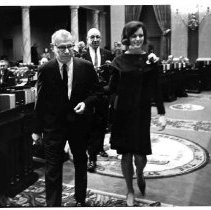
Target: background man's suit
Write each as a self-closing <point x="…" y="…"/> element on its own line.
<point x="55" y="117"/>
<point x="100" y="118"/>
<point x="105" y="55"/>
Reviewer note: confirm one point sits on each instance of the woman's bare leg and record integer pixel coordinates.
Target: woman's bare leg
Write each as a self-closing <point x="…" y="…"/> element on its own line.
<point x="140" y="162"/>
<point x="128" y="171"/>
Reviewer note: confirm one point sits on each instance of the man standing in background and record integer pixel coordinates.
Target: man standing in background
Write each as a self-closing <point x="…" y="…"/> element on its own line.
<point x="100" y="59"/>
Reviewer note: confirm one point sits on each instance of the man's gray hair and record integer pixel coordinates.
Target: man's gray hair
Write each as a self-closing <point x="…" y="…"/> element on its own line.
<point x="62" y="33"/>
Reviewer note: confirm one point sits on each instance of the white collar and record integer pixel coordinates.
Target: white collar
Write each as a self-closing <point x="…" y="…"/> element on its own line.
<point x="91" y="49"/>
<point x="92" y="55"/>
<point x="61" y="64"/>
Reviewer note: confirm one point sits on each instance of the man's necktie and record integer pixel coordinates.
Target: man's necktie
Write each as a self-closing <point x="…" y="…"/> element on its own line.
<point x="65" y="77"/>
<point x="96" y="59"/>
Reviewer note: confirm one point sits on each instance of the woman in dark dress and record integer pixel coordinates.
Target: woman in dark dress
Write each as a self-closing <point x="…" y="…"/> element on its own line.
<point x="135" y="80"/>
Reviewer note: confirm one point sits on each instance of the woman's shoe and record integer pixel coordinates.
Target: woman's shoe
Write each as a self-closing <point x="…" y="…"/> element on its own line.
<point x="157" y="203"/>
<point x="141" y="184"/>
<point x="130" y="199"/>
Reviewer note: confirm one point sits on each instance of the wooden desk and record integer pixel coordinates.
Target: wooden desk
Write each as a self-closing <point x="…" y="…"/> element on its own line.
<point x="193" y="83"/>
<point x="16" y="129"/>
<point x="168" y="85"/>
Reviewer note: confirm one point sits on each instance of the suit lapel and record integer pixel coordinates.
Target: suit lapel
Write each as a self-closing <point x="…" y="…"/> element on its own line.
<point x="102" y="54"/>
<point x="75" y="67"/>
<point x="57" y="74"/>
<point x="89" y="56"/>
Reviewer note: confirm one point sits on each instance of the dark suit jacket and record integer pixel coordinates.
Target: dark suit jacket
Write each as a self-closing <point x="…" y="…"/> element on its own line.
<point x="52" y="109"/>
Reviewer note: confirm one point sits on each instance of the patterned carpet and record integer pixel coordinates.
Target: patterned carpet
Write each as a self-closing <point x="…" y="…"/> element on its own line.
<point x="193" y="125"/>
<point x="34" y="196"/>
<point x="200" y="96"/>
<point x="171" y="156"/>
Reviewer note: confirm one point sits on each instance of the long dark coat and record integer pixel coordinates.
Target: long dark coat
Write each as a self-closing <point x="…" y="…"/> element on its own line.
<point x="135" y="84"/>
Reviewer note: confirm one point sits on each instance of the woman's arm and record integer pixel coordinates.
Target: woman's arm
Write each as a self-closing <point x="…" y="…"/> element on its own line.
<point x="112" y="86"/>
<point x="158" y="97"/>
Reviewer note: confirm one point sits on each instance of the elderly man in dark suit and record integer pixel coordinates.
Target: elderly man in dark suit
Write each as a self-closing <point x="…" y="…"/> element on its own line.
<point x="100" y="59"/>
<point x="66" y="89"/>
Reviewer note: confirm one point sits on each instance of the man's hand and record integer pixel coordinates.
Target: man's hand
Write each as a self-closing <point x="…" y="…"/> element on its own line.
<point x="161" y="122"/>
<point x="79" y="109"/>
<point x="107" y="62"/>
<point x="36" y="137"/>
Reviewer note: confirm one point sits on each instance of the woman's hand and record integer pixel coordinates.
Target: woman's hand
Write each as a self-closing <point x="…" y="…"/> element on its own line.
<point x="161" y="122"/>
<point x="152" y="58"/>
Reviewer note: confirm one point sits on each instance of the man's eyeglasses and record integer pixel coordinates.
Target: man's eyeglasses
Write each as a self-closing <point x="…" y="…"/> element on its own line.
<point x="93" y="36"/>
<point x="62" y="48"/>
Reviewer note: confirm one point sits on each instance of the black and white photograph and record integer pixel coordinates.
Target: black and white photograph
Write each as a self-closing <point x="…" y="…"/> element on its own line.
<point x="105" y="104"/>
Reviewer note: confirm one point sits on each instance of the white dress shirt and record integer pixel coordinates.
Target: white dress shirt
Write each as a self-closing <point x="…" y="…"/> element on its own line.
<point x="92" y="55"/>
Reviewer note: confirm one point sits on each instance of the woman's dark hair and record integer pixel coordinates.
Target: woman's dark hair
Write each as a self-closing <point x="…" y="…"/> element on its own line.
<point x="129" y="29"/>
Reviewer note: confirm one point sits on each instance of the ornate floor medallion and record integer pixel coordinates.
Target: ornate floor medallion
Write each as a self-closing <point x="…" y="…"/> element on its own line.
<point x="186" y="107"/>
<point x="171" y="156"/>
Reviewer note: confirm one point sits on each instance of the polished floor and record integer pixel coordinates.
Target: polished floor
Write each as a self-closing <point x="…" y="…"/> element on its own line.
<point x="191" y="189"/>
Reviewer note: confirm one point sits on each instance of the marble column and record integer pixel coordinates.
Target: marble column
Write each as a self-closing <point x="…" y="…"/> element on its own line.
<point x="102" y="27"/>
<point x="117" y="17"/>
<point x="26" y="35"/>
<point x="74" y="22"/>
<point x="95" y="19"/>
